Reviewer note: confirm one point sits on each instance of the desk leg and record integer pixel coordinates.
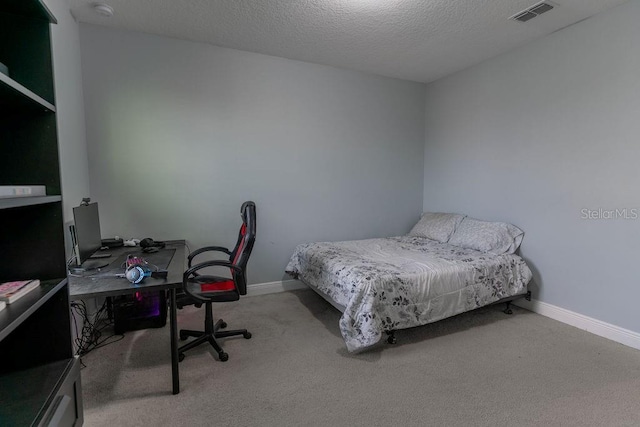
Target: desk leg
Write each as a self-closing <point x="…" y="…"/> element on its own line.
<point x="175" y="375"/>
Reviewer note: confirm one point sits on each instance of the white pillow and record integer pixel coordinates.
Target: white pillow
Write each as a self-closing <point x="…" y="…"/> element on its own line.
<point x="436" y="226"/>
<point x="493" y="237"/>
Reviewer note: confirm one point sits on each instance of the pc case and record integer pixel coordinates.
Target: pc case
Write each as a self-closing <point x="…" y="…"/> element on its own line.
<point x="141" y="310"/>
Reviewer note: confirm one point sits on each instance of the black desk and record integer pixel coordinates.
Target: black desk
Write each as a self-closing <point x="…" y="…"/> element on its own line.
<point x="104" y="283"/>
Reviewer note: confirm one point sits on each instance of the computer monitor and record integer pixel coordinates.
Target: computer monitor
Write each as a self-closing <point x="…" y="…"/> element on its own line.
<point x="87" y="231"/>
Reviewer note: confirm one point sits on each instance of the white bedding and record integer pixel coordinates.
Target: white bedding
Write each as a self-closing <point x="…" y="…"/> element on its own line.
<point x="400" y="282"/>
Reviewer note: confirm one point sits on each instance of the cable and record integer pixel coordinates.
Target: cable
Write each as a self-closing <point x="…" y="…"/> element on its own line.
<point x="89" y="337"/>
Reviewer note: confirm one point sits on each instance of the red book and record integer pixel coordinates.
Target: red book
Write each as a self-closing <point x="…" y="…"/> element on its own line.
<point x="11" y="291"/>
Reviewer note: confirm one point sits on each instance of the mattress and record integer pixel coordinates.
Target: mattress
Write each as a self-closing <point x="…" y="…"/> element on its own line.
<point x="400" y="282"/>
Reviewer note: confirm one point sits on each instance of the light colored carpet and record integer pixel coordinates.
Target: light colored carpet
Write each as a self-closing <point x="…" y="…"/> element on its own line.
<point x="482" y="368"/>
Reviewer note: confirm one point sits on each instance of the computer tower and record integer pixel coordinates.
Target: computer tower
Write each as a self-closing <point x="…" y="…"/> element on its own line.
<point x="140" y="310"/>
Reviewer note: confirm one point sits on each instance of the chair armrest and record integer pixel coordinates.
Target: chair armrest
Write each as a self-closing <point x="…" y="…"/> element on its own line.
<point x="215" y="263"/>
<point x="197" y="252"/>
<point x="192" y="272"/>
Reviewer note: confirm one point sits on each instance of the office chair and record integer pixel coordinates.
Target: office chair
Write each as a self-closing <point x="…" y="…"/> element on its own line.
<point x="201" y="288"/>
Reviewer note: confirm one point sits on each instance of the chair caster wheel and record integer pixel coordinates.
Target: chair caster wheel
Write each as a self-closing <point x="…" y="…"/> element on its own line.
<point x="223" y="324"/>
<point x="508" y="311"/>
<point x="223" y="357"/>
<point x="181" y="357"/>
<point x="246" y="335"/>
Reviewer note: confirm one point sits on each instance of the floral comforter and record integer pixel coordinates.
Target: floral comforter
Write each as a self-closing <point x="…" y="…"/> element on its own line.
<point x="400" y="282"/>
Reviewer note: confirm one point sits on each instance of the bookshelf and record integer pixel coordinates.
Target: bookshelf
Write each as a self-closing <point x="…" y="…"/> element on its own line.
<point x="39" y="375"/>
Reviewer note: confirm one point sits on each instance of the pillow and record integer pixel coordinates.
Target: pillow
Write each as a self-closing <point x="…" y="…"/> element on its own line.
<point x="436" y="226"/>
<point x="493" y="237"/>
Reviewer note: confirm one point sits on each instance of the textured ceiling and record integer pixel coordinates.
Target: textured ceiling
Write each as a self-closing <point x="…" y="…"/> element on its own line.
<point x="420" y="40"/>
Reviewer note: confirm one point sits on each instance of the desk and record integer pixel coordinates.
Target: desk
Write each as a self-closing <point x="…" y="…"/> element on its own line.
<point x="104" y="284"/>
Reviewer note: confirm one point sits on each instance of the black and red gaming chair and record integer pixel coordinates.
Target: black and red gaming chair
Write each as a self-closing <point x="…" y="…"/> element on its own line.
<point x="201" y="287"/>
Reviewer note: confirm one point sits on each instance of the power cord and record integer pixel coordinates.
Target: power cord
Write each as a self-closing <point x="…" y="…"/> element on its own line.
<point x="90" y="336"/>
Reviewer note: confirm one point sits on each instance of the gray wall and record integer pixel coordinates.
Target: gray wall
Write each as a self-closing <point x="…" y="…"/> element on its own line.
<point x="535" y="136"/>
<point x="181" y="133"/>
<point x="74" y="169"/>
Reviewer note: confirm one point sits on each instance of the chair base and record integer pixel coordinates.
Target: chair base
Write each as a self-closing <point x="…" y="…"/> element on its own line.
<point x="209" y="335"/>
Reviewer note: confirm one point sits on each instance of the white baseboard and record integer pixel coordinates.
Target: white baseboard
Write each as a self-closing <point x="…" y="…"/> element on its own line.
<point x="273" y="287"/>
<point x="589" y="324"/>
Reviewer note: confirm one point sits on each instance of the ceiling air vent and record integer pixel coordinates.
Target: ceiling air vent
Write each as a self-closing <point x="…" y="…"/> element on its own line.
<point x="533" y="11"/>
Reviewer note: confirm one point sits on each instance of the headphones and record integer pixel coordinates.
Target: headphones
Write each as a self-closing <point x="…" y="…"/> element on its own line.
<point x="137" y="273"/>
<point x="149" y="245"/>
<point x="137" y="270"/>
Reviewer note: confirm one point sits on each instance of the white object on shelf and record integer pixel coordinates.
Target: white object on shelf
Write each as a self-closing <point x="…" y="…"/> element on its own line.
<point x="22" y="190"/>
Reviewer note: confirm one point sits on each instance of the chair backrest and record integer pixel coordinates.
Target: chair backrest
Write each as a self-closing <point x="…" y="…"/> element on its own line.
<point x="244" y="245"/>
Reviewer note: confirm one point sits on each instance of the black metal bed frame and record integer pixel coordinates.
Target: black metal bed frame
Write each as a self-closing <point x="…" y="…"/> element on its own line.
<point x="391" y="335"/>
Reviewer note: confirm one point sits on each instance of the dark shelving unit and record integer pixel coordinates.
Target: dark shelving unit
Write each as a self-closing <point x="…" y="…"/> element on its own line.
<point x="39" y="375"/>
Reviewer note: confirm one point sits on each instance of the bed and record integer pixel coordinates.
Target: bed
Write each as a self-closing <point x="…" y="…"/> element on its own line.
<point x="448" y="264"/>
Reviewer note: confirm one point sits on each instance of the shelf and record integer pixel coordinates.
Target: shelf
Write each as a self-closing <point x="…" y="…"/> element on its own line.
<point x="39" y="376"/>
<point x="26" y="394"/>
<point x="17" y="202"/>
<point x="31" y="9"/>
<point x="17" y="312"/>
<point x="15" y="98"/>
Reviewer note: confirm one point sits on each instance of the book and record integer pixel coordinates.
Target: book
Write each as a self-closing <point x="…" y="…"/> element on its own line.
<point x="12" y="291"/>
<point x="22" y="190"/>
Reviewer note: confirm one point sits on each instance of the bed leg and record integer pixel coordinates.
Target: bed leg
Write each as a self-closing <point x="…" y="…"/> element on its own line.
<point x="391" y="339"/>
<point x="528" y="296"/>
<point x="508" y="310"/>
